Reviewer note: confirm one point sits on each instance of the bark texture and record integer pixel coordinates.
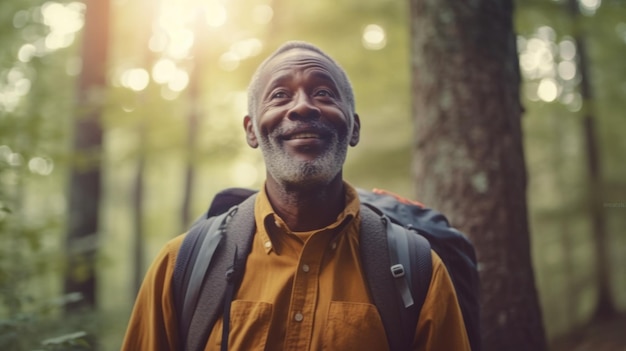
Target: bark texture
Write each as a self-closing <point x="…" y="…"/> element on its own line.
<point x="468" y="155"/>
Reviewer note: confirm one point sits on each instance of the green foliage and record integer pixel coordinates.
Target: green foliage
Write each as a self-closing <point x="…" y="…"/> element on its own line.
<point x="557" y="159"/>
<point x="26" y="329"/>
<point x="68" y="342"/>
<point x="32" y="154"/>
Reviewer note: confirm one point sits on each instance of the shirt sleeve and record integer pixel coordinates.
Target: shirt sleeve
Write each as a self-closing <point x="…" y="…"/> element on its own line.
<point x="153" y="324"/>
<point x="440" y="326"/>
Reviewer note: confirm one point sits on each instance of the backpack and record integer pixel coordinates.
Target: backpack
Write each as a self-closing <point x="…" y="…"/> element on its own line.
<point x="397" y="264"/>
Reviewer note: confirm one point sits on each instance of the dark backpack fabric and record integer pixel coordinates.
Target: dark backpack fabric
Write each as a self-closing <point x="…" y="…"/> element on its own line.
<point x="455" y="250"/>
<point x="195" y="319"/>
<point x="222" y="238"/>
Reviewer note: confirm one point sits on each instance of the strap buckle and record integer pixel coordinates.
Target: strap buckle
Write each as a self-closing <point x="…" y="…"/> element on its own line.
<point x="397" y="270"/>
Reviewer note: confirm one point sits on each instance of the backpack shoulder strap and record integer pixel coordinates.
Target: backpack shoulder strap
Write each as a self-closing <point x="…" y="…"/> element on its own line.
<point x="392" y="255"/>
<point x="192" y="263"/>
<point x="218" y="244"/>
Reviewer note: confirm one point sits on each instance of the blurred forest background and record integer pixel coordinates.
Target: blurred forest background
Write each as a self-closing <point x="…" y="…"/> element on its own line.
<point x="146" y="98"/>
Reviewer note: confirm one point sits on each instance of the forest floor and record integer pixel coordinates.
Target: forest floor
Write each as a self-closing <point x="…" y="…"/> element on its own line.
<point x="609" y="335"/>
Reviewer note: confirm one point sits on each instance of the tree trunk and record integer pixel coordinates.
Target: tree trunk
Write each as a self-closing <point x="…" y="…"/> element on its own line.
<point x="199" y="54"/>
<point x="468" y="157"/>
<point x="564" y="220"/>
<point x="605" y="308"/>
<point x="84" y="192"/>
<point x="138" y="208"/>
<point x="149" y="11"/>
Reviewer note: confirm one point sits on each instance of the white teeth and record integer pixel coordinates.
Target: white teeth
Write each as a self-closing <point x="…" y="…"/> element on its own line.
<point x="304" y="136"/>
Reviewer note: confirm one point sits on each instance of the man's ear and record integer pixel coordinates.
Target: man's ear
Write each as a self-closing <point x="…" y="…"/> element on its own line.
<point x="356" y="130"/>
<point x="250" y="134"/>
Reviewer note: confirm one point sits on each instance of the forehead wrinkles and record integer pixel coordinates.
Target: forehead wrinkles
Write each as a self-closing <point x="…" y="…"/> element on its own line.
<point x="313" y="74"/>
<point x="309" y="63"/>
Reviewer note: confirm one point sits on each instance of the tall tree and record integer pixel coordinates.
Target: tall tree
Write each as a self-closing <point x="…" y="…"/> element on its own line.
<point x="84" y="199"/>
<point x="149" y="9"/>
<point x="468" y="155"/>
<point x="194" y="114"/>
<point x="605" y="307"/>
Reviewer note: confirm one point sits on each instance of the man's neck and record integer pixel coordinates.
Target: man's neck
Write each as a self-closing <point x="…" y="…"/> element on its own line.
<point x="307" y="208"/>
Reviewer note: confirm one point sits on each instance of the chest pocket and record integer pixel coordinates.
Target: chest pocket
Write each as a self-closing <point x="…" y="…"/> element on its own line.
<point x="354" y="326"/>
<point x="249" y="325"/>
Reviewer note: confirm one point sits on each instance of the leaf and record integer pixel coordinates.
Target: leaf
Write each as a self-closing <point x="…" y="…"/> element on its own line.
<point x="64" y="338"/>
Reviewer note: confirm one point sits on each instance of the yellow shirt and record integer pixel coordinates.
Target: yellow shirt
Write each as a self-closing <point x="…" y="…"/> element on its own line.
<point x="300" y="291"/>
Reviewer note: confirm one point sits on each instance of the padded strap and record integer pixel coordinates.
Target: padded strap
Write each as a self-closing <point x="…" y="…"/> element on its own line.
<point x="211" y="237"/>
<point x="421" y="269"/>
<point x="236" y="242"/>
<point x="185" y="261"/>
<point x="400" y="260"/>
<point x="375" y="260"/>
<point x="377" y="249"/>
<point x="228" y="300"/>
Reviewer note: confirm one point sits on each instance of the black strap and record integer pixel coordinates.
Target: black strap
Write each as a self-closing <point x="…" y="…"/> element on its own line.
<point x="400" y="260"/>
<point x="214" y="230"/>
<point x="377" y="249"/>
<point x="185" y="261"/>
<point x="228" y="300"/>
<point x="237" y="243"/>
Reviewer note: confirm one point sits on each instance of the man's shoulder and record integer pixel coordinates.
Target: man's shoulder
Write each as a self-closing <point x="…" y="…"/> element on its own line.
<point x="169" y="251"/>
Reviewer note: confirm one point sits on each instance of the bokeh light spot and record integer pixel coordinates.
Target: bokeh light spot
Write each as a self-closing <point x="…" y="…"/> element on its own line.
<point x="181" y="41"/>
<point x="158" y="41"/>
<point x="262" y="14"/>
<point x="567" y="50"/>
<point x="374" y="37"/>
<point x="229" y="61"/>
<point x="573" y="101"/>
<point x="20" y="19"/>
<point x="41" y="165"/>
<point x="163" y="70"/>
<point x="26" y="52"/>
<point x="178" y="81"/>
<point x="567" y="70"/>
<point x="547" y="90"/>
<point x="64" y="21"/>
<point x="136" y="79"/>
<point x="589" y="7"/>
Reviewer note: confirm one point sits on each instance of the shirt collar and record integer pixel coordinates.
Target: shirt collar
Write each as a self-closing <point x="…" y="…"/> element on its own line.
<point x="265" y="216"/>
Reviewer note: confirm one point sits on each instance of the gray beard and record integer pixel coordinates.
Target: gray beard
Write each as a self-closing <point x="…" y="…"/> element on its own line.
<point x="290" y="172"/>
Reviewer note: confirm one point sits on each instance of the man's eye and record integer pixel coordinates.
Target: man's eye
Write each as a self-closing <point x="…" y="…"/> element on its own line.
<point x="325" y="93"/>
<point x="279" y="95"/>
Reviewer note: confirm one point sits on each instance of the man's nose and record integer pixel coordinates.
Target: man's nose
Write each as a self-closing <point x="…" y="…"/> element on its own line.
<point x="303" y="107"/>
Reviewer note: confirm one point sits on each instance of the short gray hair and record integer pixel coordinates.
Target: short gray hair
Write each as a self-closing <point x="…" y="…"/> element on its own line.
<point x="345" y="86"/>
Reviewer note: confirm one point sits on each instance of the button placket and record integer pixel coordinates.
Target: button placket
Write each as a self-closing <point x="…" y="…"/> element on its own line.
<point x="305" y="290"/>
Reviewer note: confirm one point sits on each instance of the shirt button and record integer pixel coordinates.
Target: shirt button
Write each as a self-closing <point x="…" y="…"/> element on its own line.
<point x="306" y="268"/>
<point x="268" y="244"/>
<point x="298" y="317"/>
<point x="333" y="245"/>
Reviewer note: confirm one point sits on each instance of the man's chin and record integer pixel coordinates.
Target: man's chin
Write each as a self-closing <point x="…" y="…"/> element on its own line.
<point x="305" y="175"/>
<point x="302" y="167"/>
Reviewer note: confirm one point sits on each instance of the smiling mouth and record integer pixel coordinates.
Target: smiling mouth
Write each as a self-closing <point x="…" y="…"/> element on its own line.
<point x="303" y="136"/>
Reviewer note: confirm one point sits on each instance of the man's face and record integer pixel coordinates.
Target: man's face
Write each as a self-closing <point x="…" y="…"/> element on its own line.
<point x="302" y="123"/>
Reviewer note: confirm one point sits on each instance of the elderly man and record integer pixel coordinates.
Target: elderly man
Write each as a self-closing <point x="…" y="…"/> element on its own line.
<point x="303" y="286"/>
